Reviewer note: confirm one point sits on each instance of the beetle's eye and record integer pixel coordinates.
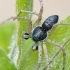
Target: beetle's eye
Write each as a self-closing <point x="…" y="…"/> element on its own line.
<point x="26" y="36"/>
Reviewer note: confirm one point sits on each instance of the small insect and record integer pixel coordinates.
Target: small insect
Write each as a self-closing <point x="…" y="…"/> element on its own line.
<point x="40" y="32"/>
<point x="39" y="35"/>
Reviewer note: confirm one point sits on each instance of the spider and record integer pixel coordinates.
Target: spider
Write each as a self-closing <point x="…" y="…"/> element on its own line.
<point x="39" y="35"/>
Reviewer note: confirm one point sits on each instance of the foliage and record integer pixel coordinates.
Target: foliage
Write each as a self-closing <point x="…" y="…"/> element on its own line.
<point x="6" y="32"/>
<point x="5" y="63"/>
<point x="5" y="40"/>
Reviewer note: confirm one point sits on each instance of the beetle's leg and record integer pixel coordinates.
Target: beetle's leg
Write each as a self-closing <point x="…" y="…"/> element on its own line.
<point x="56" y="25"/>
<point x="64" y="23"/>
<point x="57" y="53"/>
<point x="21" y="18"/>
<point x="46" y="56"/>
<point x="29" y="12"/>
<point x="39" y="54"/>
<point x="60" y="50"/>
<point x="37" y="22"/>
<point x="52" y="30"/>
<point x="39" y="15"/>
<point x="63" y="50"/>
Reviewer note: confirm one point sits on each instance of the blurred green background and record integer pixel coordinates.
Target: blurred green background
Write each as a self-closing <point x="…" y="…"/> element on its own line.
<point x="6" y="32"/>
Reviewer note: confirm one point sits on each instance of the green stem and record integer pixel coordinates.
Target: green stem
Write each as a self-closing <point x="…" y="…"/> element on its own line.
<point x="22" y="28"/>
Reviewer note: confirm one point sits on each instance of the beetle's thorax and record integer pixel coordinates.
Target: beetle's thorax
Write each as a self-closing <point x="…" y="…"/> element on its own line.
<point x="38" y="34"/>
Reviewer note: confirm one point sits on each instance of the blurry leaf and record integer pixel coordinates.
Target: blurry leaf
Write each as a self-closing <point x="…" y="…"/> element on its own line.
<point x="6" y="32"/>
<point x="5" y="62"/>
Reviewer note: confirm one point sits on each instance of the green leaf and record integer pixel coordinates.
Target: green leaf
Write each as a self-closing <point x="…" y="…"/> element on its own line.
<point x="6" y="32"/>
<point x="5" y="62"/>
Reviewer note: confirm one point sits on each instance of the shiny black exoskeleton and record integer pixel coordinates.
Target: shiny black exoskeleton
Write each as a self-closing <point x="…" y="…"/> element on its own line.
<point x="40" y="32"/>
